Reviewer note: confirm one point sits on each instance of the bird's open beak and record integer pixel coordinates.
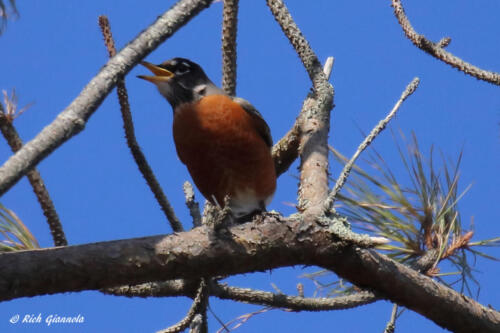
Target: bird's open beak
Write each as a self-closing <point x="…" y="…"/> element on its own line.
<point x="161" y="74"/>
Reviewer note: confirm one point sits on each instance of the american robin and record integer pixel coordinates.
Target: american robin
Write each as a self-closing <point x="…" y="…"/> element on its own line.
<point x="223" y="140"/>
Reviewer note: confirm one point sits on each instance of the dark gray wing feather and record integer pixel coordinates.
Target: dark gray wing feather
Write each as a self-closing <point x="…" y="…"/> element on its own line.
<point x="261" y="124"/>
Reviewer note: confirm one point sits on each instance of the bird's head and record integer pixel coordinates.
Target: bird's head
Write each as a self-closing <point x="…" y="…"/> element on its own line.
<point x="180" y="81"/>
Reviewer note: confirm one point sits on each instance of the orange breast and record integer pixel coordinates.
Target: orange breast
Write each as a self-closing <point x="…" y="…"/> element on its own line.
<point x="223" y="151"/>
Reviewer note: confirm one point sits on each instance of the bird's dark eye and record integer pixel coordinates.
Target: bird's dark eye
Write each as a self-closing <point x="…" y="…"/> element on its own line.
<point x="182" y="68"/>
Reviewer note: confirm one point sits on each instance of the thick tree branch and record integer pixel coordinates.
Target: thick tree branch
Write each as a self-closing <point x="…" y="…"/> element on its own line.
<point x="128" y="126"/>
<point x="229" y="32"/>
<point x="315" y="122"/>
<point x="437" y="49"/>
<point x="72" y="120"/>
<point x="42" y="194"/>
<point x="250" y="247"/>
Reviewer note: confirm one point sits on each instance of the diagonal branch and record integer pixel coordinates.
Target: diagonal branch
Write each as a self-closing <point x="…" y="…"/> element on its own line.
<point x="42" y="194"/>
<point x="128" y="126"/>
<point x="229" y="32"/>
<point x="410" y="89"/>
<point x="437" y="49"/>
<point x="275" y="242"/>
<point x="314" y="122"/>
<point x="72" y="120"/>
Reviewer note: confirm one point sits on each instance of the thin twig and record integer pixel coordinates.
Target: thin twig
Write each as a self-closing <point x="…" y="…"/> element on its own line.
<point x="199" y="300"/>
<point x="241" y="320"/>
<point x="229" y="32"/>
<point x="192" y="205"/>
<point x="436" y="49"/>
<point x="128" y="125"/>
<point x="73" y="118"/>
<point x="42" y="194"/>
<point x="391" y="325"/>
<point x="223" y="328"/>
<point x="410" y="89"/>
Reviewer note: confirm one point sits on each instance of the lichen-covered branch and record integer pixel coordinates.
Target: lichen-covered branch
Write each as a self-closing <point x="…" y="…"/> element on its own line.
<point x="201" y="252"/>
<point x="128" y="126"/>
<point x="229" y="32"/>
<point x="286" y="150"/>
<point x="437" y="49"/>
<point x="35" y="179"/>
<point x="72" y="120"/>
<point x="252" y="296"/>
<point x="314" y="122"/>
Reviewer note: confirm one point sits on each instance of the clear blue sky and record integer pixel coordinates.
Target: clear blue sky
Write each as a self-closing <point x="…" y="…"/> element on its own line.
<point x="55" y="48"/>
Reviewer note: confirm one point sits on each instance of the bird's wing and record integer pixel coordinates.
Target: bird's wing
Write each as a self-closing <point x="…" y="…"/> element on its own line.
<point x="259" y="121"/>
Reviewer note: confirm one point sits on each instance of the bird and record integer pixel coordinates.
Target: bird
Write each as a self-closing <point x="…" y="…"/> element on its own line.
<point x="223" y="140"/>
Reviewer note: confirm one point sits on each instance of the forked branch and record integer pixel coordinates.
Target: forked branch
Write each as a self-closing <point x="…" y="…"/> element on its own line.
<point x="437" y="49"/>
<point x="314" y="122"/>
